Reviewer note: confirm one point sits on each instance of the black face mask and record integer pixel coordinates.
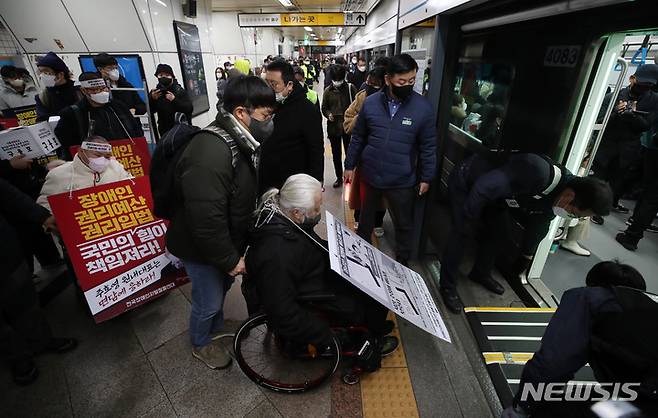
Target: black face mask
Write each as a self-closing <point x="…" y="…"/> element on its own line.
<point x="402" y="92"/>
<point x="261" y="130"/>
<point x="165" y="81"/>
<point x="309" y="223"/>
<point x="371" y="90"/>
<point x="640" y="89"/>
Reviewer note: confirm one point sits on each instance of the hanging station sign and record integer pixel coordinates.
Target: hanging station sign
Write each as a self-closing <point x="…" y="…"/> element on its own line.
<point x="301" y="19"/>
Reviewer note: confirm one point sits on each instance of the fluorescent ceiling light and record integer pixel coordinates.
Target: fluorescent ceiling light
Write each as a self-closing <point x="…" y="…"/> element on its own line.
<point x="161" y="2"/>
<point x="308" y="29"/>
<point x="285" y="3"/>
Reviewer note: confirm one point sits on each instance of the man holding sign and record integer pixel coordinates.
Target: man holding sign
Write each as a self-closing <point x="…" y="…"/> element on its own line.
<point x="93" y="165"/>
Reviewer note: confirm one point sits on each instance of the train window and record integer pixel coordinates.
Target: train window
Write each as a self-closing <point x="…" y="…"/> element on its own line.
<point x="480" y="98"/>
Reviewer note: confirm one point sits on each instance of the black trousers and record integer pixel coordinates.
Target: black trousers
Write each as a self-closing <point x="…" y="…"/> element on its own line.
<point x="620" y="167"/>
<point x="24" y="330"/>
<point x="379" y="217"/>
<point x="400" y="203"/>
<point x="337" y="144"/>
<point x="488" y="234"/>
<point x="647" y="205"/>
<point x="39" y="244"/>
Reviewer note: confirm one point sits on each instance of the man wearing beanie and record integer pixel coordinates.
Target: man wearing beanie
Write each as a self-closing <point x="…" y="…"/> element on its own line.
<point x="108" y="67"/>
<point x="58" y="88"/>
<point x="167" y="98"/>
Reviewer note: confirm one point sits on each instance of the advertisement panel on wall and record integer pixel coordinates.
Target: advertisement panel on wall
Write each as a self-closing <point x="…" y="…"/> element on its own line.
<point x="191" y="64"/>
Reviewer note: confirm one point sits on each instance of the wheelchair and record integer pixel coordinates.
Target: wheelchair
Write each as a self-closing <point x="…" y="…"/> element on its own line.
<point x="283" y="366"/>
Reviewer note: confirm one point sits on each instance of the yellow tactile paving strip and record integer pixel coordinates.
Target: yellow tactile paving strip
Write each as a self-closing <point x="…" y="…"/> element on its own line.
<point x="387" y="393"/>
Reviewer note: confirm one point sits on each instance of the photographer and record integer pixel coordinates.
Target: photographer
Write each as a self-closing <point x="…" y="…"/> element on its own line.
<point x="168" y="98"/>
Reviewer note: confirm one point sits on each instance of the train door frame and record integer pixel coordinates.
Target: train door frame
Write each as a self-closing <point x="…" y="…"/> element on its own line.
<point x="590" y="103"/>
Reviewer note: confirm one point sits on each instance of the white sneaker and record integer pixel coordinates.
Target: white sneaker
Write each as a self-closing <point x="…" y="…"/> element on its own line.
<point x="575" y="248"/>
<point x="379" y="232"/>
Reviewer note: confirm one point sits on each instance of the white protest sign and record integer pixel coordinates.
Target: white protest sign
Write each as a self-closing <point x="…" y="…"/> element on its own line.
<point x="31" y="141"/>
<point x="395" y="286"/>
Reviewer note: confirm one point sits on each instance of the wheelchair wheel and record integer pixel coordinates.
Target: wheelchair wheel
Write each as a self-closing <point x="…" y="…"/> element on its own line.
<point x="269" y="362"/>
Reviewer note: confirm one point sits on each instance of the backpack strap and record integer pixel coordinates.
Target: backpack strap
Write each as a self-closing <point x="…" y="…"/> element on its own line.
<point x="233" y="146"/>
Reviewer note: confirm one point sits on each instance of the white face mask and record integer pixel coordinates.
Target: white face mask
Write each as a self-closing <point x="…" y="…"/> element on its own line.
<point x="362" y="68"/>
<point x="337" y="83"/>
<point x="354" y="60"/>
<point x="98" y="164"/>
<point x="100" y="98"/>
<point x="48" y="80"/>
<point x="113" y="74"/>
<point x="464" y="105"/>
<point x="562" y="213"/>
<point x="18" y="82"/>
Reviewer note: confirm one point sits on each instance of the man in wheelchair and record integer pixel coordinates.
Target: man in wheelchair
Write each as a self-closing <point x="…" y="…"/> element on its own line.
<point x="288" y="270"/>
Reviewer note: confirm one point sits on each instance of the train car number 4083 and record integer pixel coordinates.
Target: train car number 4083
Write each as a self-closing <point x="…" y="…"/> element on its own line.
<point x="561" y="56"/>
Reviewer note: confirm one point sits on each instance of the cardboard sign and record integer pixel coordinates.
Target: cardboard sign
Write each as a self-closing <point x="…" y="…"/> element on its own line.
<point x="31" y="141"/>
<point x="133" y="154"/>
<point x="116" y="245"/>
<point x="395" y="286"/>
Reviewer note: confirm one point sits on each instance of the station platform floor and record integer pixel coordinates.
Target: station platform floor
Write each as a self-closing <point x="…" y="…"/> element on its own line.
<point x="140" y="364"/>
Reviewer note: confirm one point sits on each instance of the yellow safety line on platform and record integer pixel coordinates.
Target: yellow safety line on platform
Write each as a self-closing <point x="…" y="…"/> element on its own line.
<point x="506" y="357"/>
<point x="387" y="392"/>
<point x="505" y="309"/>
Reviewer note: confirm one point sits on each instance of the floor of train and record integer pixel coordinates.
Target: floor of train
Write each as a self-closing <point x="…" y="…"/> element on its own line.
<point x="140" y="365"/>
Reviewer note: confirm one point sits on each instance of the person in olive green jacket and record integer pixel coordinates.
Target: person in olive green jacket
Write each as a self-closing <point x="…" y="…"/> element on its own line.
<point x="335" y="101"/>
<point x="216" y="192"/>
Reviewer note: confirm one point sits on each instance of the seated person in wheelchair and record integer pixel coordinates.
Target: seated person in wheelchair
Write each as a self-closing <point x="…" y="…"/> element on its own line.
<point x="287" y="262"/>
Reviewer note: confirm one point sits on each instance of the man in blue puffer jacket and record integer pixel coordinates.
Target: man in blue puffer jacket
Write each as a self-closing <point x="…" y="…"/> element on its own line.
<point x="394" y="145"/>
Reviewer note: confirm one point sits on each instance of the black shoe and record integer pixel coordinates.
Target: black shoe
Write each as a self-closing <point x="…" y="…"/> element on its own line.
<point x="61" y="345"/>
<point x="452" y="301"/>
<point x="597" y="219"/>
<point x="24" y="372"/>
<point x="489" y="283"/>
<point x="338" y="183"/>
<point x="652" y="228"/>
<point x="389" y="326"/>
<point x="620" y="208"/>
<point x="627" y="241"/>
<point x="389" y="345"/>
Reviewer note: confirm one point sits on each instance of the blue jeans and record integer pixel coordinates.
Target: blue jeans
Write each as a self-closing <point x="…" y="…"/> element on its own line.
<point x="209" y="287"/>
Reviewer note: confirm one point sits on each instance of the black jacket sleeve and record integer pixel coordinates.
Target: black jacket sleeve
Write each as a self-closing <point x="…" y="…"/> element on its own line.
<point x="314" y="141"/>
<point x="16" y="205"/>
<point x="276" y="272"/>
<point x="206" y="183"/>
<point x="182" y="103"/>
<point x="67" y="132"/>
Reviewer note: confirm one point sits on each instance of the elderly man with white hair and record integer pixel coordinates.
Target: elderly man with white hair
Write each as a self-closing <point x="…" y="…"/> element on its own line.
<point x="287" y="260"/>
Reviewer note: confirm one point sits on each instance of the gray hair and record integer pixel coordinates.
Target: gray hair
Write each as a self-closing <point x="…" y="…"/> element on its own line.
<point x="298" y="192"/>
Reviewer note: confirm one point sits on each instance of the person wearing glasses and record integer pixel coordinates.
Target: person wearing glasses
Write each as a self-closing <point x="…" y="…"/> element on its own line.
<point x="486" y="190"/>
<point x="393" y="145"/>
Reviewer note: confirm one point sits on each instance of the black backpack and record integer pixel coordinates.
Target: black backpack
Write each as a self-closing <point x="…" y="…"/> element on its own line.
<point x="163" y="165"/>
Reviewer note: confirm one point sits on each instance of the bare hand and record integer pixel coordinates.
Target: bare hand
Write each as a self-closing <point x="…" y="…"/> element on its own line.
<point x="238" y="269"/>
<point x="348" y="175"/>
<point x="156" y="94"/>
<point x="19" y="162"/>
<point x="170" y="96"/>
<point x="50" y="225"/>
<point x="621" y="106"/>
<point x="330" y="117"/>
<point x="423" y="188"/>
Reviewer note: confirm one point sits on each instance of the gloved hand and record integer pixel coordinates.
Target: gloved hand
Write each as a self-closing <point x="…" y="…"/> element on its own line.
<point x="514" y="412"/>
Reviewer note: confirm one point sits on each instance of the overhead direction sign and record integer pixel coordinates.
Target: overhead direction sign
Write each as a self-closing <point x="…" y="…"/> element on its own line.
<point x="301" y="19"/>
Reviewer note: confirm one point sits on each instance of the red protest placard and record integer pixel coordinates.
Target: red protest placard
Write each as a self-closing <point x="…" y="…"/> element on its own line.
<point x="133" y="154"/>
<point x="116" y="245"/>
